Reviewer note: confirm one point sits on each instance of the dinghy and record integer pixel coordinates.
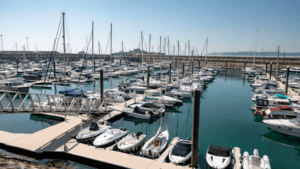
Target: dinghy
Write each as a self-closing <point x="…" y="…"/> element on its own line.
<point x="181" y="152"/>
<point x="132" y="141"/>
<point x="255" y="161"/>
<point x="110" y="136"/>
<point x="93" y="131"/>
<point x="218" y="157"/>
<point x="139" y="113"/>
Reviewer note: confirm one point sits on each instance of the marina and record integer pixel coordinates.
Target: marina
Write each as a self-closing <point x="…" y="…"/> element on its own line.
<point x="195" y="93"/>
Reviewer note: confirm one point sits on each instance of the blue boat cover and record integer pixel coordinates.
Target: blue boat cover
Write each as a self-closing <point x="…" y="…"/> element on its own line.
<point x="182" y="149"/>
<point x="282" y="96"/>
<point x="138" y="110"/>
<point x="94" y="126"/>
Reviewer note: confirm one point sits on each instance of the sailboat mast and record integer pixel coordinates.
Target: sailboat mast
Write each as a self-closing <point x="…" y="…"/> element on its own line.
<point x="142" y="47"/>
<point x="255" y="48"/>
<point x="277" y="66"/>
<point x="93" y="56"/>
<point x="206" y="51"/>
<point x="178" y="52"/>
<point x="111" y="42"/>
<point x="149" y="47"/>
<point x="64" y="47"/>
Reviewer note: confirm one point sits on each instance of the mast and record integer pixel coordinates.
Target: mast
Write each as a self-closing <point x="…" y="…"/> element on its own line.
<point x="255" y="48"/>
<point x="206" y="51"/>
<point x="1" y="42"/>
<point x="160" y="80"/>
<point x="142" y="47"/>
<point x="277" y="66"/>
<point x="149" y="46"/>
<point x="178" y="52"/>
<point x="168" y="49"/>
<point x="93" y="56"/>
<point x="111" y="42"/>
<point x="64" y="47"/>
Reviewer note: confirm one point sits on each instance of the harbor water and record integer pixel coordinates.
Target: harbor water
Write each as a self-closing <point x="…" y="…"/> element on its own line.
<point x="226" y="119"/>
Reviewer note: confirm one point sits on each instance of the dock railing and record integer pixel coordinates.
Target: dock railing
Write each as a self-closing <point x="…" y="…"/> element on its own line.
<point x="17" y="102"/>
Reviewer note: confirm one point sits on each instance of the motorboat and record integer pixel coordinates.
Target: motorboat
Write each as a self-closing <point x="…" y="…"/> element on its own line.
<point x="136" y="88"/>
<point x="285" y="126"/>
<point x="155" y="95"/>
<point x="110" y="136"/>
<point x="139" y="113"/>
<point x="255" y="161"/>
<point x="132" y="141"/>
<point x="92" y="131"/>
<point x="181" y="151"/>
<point x="181" y="94"/>
<point x="218" y="157"/>
<point x="282" y="111"/>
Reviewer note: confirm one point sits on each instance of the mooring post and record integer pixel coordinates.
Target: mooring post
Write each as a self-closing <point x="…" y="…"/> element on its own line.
<point x="170" y="73"/>
<point x="199" y="65"/>
<point x="54" y="69"/>
<point x="17" y="64"/>
<point x="226" y="64"/>
<point x="244" y="67"/>
<point x="148" y="75"/>
<point x="101" y="87"/>
<point x="270" y="70"/>
<point x="287" y="80"/>
<point x="120" y="62"/>
<point x="266" y="67"/>
<point x="195" y="132"/>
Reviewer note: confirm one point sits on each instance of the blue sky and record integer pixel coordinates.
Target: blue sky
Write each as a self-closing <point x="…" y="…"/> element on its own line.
<point x="229" y="25"/>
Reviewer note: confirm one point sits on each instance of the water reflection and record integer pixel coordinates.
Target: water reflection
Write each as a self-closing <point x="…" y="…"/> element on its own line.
<point x="281" y="139"/>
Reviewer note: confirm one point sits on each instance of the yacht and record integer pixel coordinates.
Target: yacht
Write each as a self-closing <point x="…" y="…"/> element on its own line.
<point x="285" y="126"/>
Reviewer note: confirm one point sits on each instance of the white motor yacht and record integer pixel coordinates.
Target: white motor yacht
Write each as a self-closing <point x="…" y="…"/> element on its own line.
<point x="110" y="136"/>
<point x="285" y="126"/>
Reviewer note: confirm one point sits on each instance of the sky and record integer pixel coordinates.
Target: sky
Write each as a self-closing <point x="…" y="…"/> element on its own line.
<point x="230" y="26"/>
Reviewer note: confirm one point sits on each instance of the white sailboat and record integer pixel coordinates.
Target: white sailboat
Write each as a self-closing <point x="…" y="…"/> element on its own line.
<point x="154" y="146"/>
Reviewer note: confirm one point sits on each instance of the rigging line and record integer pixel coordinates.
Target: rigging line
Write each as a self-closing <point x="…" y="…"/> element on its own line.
<point x="54" y="45"/>
<point x="203" y="47"/>
<point x="107" y="43"/>
<point x="70" y="46"/>
<point x="84" y="59"/>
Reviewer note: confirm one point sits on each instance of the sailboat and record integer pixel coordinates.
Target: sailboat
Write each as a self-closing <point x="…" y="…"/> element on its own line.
<point x="155" y="145"/>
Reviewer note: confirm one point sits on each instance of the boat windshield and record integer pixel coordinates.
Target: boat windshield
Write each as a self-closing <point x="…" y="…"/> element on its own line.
<point x="295" y="121"/>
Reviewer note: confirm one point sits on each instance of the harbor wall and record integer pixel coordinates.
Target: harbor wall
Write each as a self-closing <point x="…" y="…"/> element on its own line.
<point x="220" y="61"/>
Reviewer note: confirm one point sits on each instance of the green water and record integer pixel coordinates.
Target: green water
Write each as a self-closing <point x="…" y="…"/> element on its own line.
<point x="225" y="120"/>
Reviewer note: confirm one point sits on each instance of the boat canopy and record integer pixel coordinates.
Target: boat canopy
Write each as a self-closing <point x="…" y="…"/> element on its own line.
<point x="282" y="96"/>
<point x="182" y="149"/>
<point x="138" y="110"/>
<point x="219" y="151"/>
<point x="94" y="126"/>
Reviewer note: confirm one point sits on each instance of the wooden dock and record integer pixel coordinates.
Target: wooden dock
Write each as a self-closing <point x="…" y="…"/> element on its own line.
<point x="57" y="139"/>
<point x="237" y="157"/>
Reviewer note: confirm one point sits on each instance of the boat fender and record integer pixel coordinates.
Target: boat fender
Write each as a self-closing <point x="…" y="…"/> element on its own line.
<point x="261" y="113"/>
<point x="275" y="103"/>
<point x="256" y="112"/>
